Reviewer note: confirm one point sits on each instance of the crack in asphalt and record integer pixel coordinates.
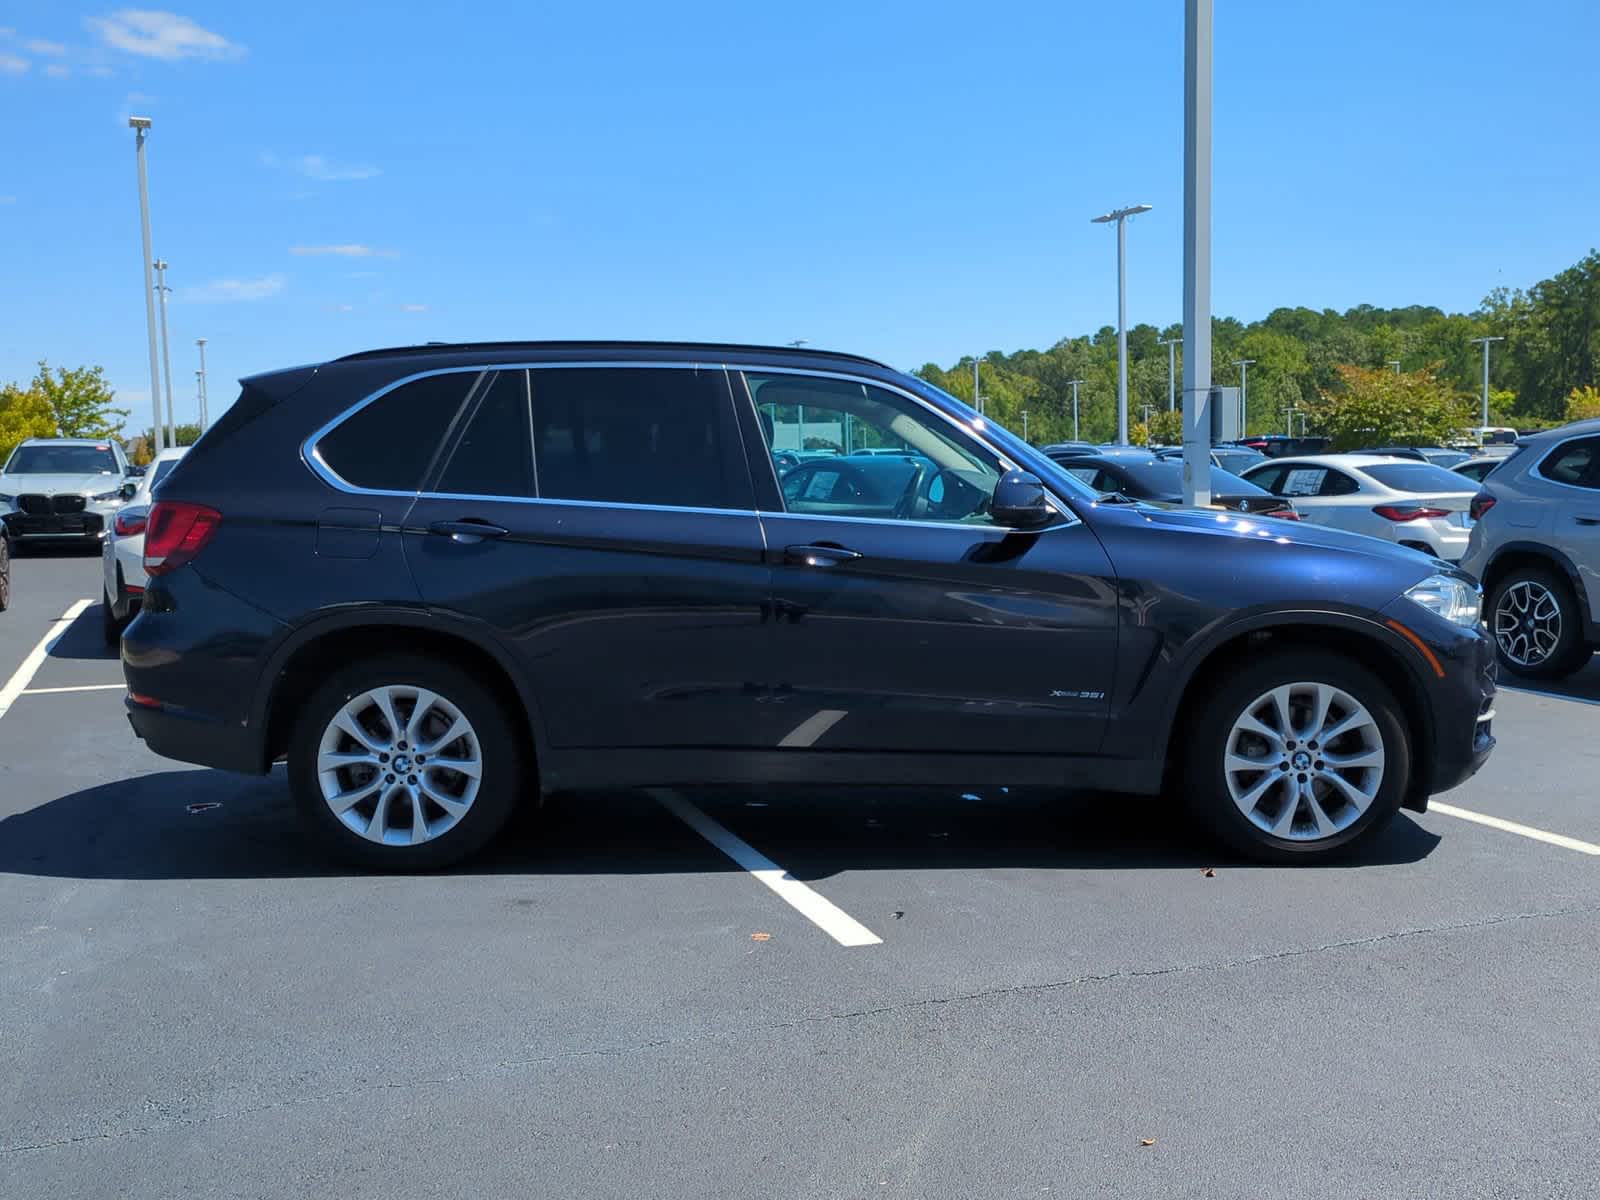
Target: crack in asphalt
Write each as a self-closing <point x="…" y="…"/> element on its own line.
<point x="509" y="1065"/>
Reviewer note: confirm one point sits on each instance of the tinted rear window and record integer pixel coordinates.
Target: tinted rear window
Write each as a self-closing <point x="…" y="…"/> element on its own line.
<point x="388" y="444"/>
<point x="637" y="435"/>
<point x="1572" y="463"/>
<point x="1417" y="477"/>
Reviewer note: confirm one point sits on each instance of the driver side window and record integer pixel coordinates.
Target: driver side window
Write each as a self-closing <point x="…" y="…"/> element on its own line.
<point x="847" y="449"/>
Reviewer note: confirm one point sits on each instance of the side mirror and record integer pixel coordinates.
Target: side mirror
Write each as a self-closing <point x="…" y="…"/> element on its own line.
<point x="1021" y="502"/>
<point x="127" y="490"/>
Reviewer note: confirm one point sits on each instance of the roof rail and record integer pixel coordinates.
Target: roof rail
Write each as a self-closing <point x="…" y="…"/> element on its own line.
<point x="716" y="347"/>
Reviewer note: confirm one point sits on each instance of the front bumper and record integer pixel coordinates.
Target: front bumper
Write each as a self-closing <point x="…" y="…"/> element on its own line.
<point x="87" y="525"/>
<point x="1460" y="695"/>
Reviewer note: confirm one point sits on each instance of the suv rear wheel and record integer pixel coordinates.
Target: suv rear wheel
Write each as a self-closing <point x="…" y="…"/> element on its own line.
<point x="1533" y="616"/>
<point x="1298" y="755"/>
<point x="405" y="763"/>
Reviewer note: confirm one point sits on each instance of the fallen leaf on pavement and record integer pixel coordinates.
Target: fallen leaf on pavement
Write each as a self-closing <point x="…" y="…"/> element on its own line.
<point x="760" y="937"/>
<point x="1147" y="1141"/>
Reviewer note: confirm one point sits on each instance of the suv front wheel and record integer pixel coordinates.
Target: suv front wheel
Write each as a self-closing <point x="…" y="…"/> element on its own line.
<point x="1298" y="755"/>
<point x="405" y="763"/>
<point x="1533" y="616"/>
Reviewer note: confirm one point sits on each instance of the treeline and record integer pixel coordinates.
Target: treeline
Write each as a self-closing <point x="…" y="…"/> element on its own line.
<point x="1551" y="348"/>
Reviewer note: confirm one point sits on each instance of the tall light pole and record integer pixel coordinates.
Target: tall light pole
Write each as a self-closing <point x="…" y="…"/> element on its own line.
<point x="1244" y="365"/>
<point x="1197" y="252"/>
<point x="799" y="410"/>
<point x="1075" y="383"/>
<point x="977" y="396"/>
<point x="141" y="126"/>
<point x="1024" y="424"/>
<point x="1120" y="216"/>
<point x="205" y="409"/>
<point x="1172" y="345"/>
<point x="166" y="362"/>
<point x="1484" y="421"/>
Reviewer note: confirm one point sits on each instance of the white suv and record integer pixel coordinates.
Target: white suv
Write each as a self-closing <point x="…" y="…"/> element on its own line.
<point x="55" y="489"/>
<point x="1535" y="546"/>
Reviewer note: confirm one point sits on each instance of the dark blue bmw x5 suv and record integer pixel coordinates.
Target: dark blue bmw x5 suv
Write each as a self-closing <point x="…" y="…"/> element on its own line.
<point x="441" y="580"/>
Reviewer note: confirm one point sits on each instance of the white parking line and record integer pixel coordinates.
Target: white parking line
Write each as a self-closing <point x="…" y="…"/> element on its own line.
<point x="820" y="911"/>
<point x="82" y="687"/>
<point x="24" y="674"/>
<point x="1522" y="691"/>
<point x="1527" y="831"/>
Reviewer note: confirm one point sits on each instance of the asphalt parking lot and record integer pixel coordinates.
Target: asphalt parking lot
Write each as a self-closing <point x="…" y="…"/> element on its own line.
<point x="968" y="993"/>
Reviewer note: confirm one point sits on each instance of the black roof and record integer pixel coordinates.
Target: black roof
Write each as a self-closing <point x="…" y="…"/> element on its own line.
<point x="715" y="348"/>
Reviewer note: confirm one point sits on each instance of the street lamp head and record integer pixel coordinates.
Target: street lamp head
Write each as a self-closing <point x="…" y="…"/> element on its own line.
<point x="138" y="122"/>
<point x="1118" y="214"/>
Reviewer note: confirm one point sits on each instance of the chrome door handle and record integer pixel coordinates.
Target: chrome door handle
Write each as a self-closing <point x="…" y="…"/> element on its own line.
<point x="468" y="532"/>
<point x="820" y="554"/>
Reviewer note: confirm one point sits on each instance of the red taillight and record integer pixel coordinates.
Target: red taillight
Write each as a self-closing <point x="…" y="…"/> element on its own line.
<point x="143" y="701"/>
<point x="1395" y="512"/>
<point x="128" y="524"/>
<point x="1283" y="514"/>
<point x="175" y="532"/>
<point x="1481" y="503"/>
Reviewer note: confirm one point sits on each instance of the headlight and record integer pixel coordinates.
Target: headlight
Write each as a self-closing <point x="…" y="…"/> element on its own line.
<point x="1455" y="601"/>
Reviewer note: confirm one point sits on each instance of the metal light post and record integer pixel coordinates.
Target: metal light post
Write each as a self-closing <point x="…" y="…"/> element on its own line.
<point x="1024" y="424"/>
<point x="205" y="410"/>
<point x="1075" y="383"/>
<point x="1120" y="216"/>
<point x="1172" y="345"/>
<point x="799" y="409"/>
<point x="977" y="396"/>
<point x="166" y="362"/>
<point x="1484" y="420"/>
<point x="1197" y="252"/>
<point x="140" y="126"/>
<point x="1244" y="365"/>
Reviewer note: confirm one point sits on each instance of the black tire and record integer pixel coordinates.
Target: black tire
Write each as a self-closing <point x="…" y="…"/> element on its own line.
<point x="110" y="626"/>
<point x="5" y="573"/>
<point x="505" y="762"/>
<point x="1570" y="653"/>
<point x="1205" y="783"/>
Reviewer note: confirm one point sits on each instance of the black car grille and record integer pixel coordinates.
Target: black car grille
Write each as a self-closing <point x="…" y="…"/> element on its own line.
<point x="36" y="505"/>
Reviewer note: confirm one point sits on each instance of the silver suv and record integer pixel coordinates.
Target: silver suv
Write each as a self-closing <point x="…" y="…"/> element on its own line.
<point x="1535" y="546"/>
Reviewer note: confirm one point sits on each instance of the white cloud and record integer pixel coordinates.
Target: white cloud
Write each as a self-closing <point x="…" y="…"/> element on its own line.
<point x="150" y="33"/>
<point x="343" y="250"/>
<point x="316" y="167"/>
<point x="221" y="291"/>
<point x="40" y="46"/>
<point x="7" y="31"/>
<point x="341" y="308"/>
<point x="12" y="65"/>
<point x="56" y="71"/>
<point x="8" y="199"/>
<point x="100" y="72"/>
<point x="413" y="308"/>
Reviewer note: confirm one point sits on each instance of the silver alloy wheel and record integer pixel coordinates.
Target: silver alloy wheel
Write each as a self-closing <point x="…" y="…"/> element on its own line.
<point x="1304" y="761"/>
<point x="1527" y="623"/>
<point x="399" y="765"/>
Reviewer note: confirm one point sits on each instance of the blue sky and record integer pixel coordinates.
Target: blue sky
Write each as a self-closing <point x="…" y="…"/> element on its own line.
<point x="910" y="181"/>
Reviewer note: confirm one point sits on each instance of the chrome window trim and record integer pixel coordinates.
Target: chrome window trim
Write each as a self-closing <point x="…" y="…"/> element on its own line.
<point x="311" y="455"/>
<point x="903" y="522"/>
<point x="1537" y="470"/>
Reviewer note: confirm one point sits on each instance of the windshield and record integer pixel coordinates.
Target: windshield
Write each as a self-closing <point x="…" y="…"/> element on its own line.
<point x="1416" y="477"/>
<point x="47" y="459"/>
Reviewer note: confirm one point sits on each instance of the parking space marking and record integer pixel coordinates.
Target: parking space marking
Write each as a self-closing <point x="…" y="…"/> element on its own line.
<point x="24" y="674"/>
<point x="1527" y="831"/>
<point x="1522" y="691"/>
<point x="818" y="909"/>
<point x="82" y="687"/>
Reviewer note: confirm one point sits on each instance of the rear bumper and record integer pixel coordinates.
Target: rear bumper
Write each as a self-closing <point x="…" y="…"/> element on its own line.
<point x="190" y="737"/>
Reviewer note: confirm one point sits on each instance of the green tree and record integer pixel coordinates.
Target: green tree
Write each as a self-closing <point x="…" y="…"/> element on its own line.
<point x="23" y="415"/>
<point x="1165" y="428"/>
<point x="81" y="399"/>
<point x="1377" y="407"/>
<point x="1583" y="403"/>
<point x="187" y="435"/>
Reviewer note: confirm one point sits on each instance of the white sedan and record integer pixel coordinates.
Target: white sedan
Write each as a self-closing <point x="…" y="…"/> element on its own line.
<point x="123" y="553"/>
<point x="1400" y="500"/>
